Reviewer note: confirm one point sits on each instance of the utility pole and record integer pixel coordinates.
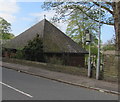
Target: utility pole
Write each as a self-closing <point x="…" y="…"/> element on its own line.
<point x="99" y="38"/>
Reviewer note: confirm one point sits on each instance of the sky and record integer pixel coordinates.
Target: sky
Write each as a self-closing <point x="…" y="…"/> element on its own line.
<point x="23" y="15"/>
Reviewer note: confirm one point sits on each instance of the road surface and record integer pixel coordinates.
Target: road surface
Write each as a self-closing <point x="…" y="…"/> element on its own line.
<point x="21" y="86"/>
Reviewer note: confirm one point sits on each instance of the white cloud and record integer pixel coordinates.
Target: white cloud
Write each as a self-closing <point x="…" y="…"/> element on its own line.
<point x="8" y="9"/>
<point x="49" y="14"/>
<point x="10" y="18"/>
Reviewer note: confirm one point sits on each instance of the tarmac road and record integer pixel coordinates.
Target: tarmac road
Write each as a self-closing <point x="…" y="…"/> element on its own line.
<point x="21" y="86"/>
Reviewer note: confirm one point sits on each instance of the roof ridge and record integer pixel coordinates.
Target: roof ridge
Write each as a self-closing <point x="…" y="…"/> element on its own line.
<point x="54" y="40"/>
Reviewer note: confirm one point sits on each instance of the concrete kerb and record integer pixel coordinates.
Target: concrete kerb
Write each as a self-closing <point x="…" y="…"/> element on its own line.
<point x="66" y="82"/>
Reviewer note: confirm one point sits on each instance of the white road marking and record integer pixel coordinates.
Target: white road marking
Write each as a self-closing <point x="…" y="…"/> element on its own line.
<point x="26" y="94"/>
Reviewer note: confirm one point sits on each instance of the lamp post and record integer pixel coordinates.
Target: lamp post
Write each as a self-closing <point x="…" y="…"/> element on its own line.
<point x="88" y="39"/>
<point x="99" y="38"/>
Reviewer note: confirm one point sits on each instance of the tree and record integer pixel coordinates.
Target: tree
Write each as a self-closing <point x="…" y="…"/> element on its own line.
<point x="5" y="29"/>
<point x="116" y="15"/>
<point x="110" y="13"/>
<point x="34" y="50"/>
<point x="77" y="24"/>
<point x="110" y="44"/>
<point x="80" y="17"/>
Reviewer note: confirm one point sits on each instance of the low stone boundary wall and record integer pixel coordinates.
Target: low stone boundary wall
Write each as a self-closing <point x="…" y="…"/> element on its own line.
<point x="110" y="66"/>
<point x="52" y="67"/>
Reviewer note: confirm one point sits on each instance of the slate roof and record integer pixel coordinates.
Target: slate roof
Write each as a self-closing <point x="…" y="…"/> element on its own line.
<point x="54" y="40"/>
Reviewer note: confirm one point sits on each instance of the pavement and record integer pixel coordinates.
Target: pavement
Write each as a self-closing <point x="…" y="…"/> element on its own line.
<point x="99" y="85"/>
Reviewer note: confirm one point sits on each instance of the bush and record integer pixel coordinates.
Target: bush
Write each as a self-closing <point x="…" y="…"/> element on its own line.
<point x="19" y="55"/>
<point x="34" y="50"/>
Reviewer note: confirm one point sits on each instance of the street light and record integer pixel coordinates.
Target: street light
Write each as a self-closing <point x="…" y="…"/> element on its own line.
<point x="99" y="38"/>
<point x="88" y="39"/>
<point x="88" y="36"/>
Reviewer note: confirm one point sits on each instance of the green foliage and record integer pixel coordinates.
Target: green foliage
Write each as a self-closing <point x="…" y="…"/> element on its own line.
<point x="34" y="50"/>
<point x="7" y="36"/>
<point x="77" y="24"/>
<point x="94" y="50"/>
<point x="79" y="16"/>
<point x="4" y="25"/>
<point x="110" y="44"/>
<point x="5" y="29"/>
<point x="109" y="47"/>
<point x="90" y="9"/>
<point x="19" y="55"/>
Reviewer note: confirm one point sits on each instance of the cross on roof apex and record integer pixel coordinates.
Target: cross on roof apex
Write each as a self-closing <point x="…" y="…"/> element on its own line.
<point x="44" y="16"/>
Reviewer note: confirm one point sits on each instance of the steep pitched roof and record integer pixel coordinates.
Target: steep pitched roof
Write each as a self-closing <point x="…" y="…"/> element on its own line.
<point x="54" y="40"/>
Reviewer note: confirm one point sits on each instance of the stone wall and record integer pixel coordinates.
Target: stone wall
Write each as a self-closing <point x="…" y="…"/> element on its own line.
<point x="110" y="66"/>
<point x="77" y="60"/>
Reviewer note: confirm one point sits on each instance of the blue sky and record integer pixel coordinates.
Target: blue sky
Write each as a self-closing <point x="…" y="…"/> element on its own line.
<point x="24" y="18"/>
<point x="23" y="15"/>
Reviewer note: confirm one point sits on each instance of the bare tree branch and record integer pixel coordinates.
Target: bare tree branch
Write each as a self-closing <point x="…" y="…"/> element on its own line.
<point x="109" y="3"/>
<point x="93" y="18"/>
<point x="104" y="7"/>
